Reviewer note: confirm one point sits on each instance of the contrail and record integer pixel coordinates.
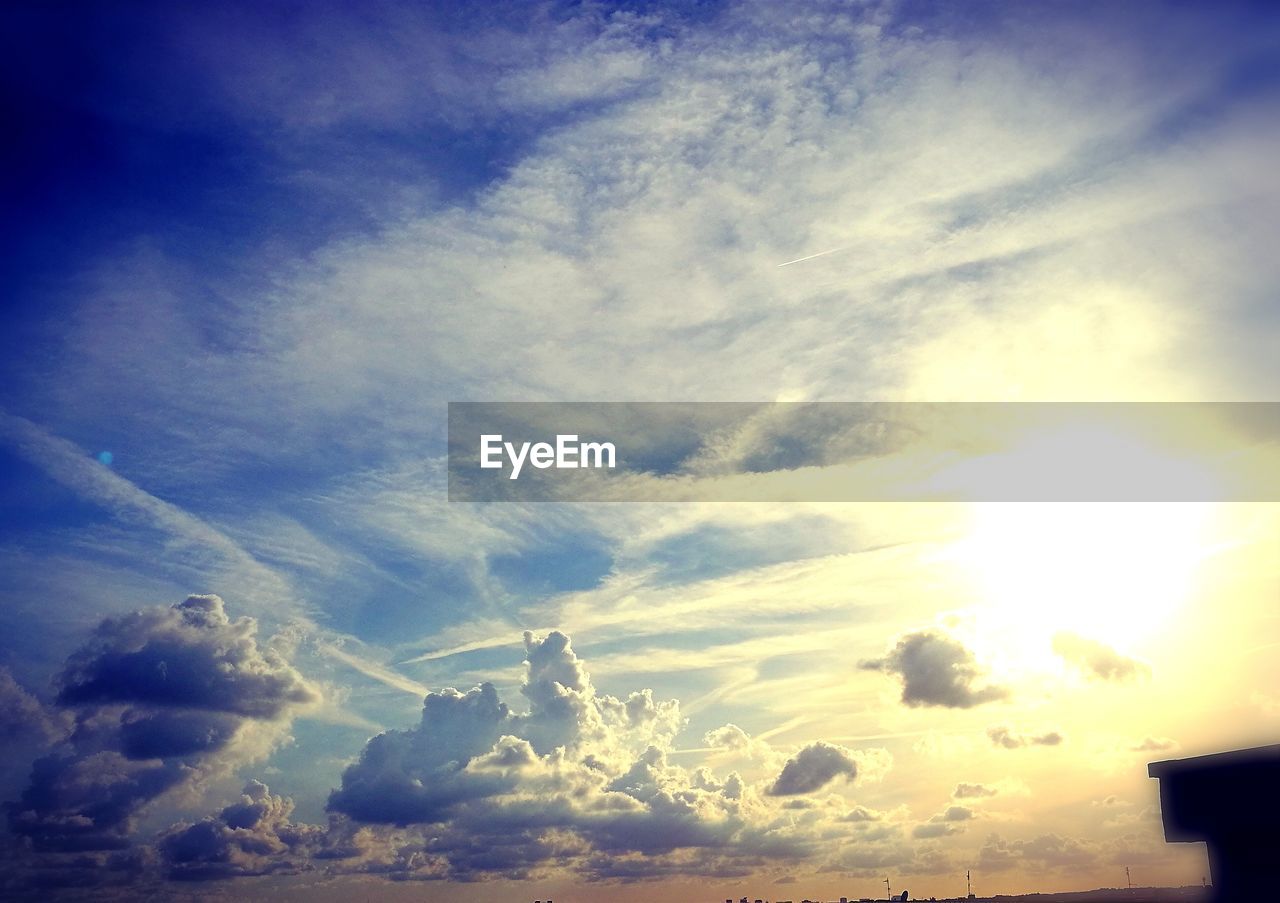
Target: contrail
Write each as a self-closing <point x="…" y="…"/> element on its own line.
<point x="377" y="672"/>
<point x="893" y="736"/>
<point x="749" y="676"/>
<point x="783" y="728"/>
<point x="490" y="643"/>
<point x="71" y="466"/>
<point x="811" y="256"/>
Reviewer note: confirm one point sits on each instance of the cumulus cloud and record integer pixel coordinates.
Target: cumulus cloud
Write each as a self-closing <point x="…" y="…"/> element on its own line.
<point x="162" y="698"/>
<point x="411" y="776"/>
<point x="815" y="766"/>
<point x="23" y="717"/>
<point x="730" y="737"/>
<point x="862" y="814"/>
<point x="965" y="791"/>
<point x="85" y="800"/>
<point x="1155" y="744"/>
<point x="507" y="792"/>
<point x="189" y="656"/>
<point x="1044" y="851"/>
<point x="936" y="670"/>
<point x="1097" y="660"/>
<point x="253" y="836"/>
<point x="581" y="779"/>
<point x="935" y="829"/>
<point x="692" y="187"/>
<point x="869" y="765"/>
<point x="948" y="821"/>
<point x="1006" y="737"/>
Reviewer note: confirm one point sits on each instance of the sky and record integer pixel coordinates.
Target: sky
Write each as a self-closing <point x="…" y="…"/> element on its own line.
<point x="249" y="648"/>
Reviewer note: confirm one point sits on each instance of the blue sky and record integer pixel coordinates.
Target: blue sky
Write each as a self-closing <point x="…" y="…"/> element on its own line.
<point x="255" y="250"/>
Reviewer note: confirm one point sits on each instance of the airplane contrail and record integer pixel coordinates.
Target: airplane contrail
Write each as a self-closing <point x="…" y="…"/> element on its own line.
<point x="379" y="673"/>
<point x="811" y="256"/>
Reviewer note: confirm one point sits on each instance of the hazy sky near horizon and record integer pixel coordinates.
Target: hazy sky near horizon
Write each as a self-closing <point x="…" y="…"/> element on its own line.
<point x="255" y="249"/>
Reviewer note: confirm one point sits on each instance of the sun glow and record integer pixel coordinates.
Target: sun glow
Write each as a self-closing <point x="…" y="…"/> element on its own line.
<point x="1113" y="572"/>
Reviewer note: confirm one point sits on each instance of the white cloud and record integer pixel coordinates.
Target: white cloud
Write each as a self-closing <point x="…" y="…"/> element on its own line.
<point x="1002" y="224"/>
<point x="1007" y="738"/>
<point x="1155" y="744"/>
<point x="1097" y="659"/>
<point x="813" y="768"/>
<point x="936" y="670"/>
<point x="965" y="790"/>
<point x="164" y="699"/>
<point x="583" y="774"/>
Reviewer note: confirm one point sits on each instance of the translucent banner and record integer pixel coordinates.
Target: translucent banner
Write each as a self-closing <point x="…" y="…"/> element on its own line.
<point x="863" y="451"/>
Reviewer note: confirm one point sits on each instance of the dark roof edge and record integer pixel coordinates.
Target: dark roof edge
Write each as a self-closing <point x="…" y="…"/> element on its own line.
<point x="1214" y="760"/>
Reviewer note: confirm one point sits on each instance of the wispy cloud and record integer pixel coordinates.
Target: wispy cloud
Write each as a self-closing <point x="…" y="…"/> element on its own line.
<point x="76" y="469"/>
<point x="378" y="672"/>
<point x="733" y="202"/>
